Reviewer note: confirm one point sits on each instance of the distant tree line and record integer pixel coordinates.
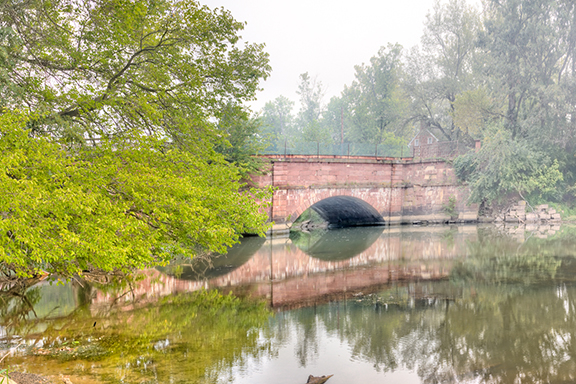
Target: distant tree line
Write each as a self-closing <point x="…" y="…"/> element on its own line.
<point x="504" y="75"/>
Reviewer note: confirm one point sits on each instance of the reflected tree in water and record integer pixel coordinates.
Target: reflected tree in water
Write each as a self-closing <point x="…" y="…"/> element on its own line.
<point x="17" y="300"/>
<point x="220" y="332"/>
<point x="506" y="314"/>
<point x="307" y="345"/>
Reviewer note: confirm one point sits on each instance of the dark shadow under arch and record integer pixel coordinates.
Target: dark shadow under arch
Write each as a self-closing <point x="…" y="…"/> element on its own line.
<point x="339" y="212"/>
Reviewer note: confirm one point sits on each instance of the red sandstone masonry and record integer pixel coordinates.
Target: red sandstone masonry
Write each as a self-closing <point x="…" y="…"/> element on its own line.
<point x="402" y="191"/>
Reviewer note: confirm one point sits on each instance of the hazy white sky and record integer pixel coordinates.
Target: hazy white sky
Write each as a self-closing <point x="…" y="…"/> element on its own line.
<point x="325" y="38"/>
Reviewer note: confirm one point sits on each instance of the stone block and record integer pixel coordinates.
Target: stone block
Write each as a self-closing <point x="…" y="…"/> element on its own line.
<point x="521" y="203"/>
<point x="532" y="217"/>
<point x="467" y="216"/>
<point x="519" y="215"/>
<point x="551" y="211"/>
<point x="511" y="219"/>
<point x="544" y="216"/>
<point x="542" y="207"/>
<point x="556" y="217"/>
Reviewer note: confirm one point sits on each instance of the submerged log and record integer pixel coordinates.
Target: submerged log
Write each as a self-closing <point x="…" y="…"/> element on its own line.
<point x="318" y="380"/>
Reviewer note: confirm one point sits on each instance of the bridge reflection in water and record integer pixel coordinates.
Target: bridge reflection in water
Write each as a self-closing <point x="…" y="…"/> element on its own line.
<point x="315" y="267"/>
<point x="506" y="315"/>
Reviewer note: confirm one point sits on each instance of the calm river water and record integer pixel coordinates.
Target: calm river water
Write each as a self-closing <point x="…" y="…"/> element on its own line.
<point x="464" y="304"/>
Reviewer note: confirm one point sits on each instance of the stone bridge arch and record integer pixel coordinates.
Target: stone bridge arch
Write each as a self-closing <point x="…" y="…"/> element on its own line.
<point x="291" y="203"/>
<point x="340" y="212"/>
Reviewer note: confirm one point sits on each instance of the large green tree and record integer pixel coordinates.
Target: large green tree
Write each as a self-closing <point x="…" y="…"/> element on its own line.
<point x="443" y="70"/>
<point x="528" y="70"/>
<point x="530" y="45"/>
<point x="375" y="101"/>
<point x="504" y="166"/>
<point x="114" y="164"/>
<point x="99" y="68"/>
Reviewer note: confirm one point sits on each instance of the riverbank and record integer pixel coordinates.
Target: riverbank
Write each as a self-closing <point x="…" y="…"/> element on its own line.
<point x="514" y="213"/>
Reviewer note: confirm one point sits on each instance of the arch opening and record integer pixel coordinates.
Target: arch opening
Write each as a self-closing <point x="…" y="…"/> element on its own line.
<point x="339" y="212"/>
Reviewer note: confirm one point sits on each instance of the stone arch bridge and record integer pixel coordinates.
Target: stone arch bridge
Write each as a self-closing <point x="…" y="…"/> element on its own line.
<point x="402" y="190"/>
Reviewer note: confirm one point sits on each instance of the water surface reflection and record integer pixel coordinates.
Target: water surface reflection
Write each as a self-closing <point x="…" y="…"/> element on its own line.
<point x="336" y="244"/>
<point x="410" y="304"/>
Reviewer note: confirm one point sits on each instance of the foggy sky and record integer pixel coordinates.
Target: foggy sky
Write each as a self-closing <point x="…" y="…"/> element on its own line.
<point x="324" y="38"/>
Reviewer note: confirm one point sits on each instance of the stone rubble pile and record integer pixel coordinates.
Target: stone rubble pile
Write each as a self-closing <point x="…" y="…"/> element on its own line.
<point x="520" y="213"/>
